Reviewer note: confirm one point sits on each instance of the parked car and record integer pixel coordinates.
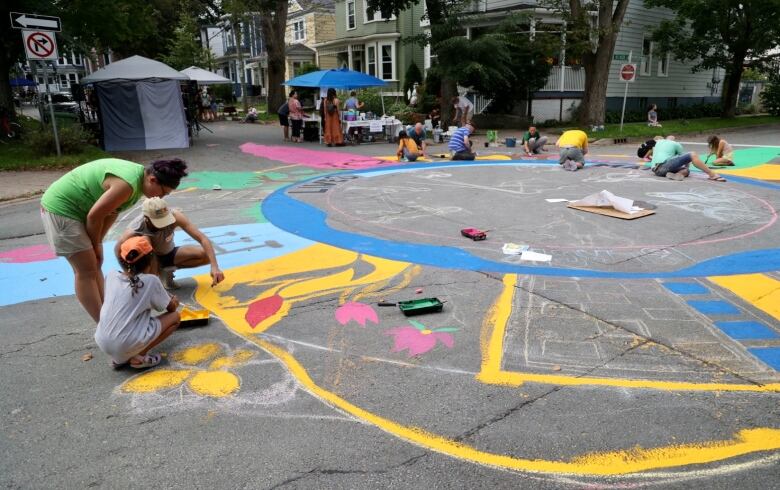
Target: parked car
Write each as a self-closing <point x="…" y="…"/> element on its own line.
<point x="63" y="102"/>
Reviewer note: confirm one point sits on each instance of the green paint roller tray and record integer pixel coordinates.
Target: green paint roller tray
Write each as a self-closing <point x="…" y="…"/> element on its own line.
<point x="420" y="306"/>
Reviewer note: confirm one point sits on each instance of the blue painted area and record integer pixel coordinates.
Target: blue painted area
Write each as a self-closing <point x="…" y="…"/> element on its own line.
<point x="768" y="355"/>
<point x="714" y="307"/>
<point x="686" y="288"/>
<point x="236" y="245"/>
<point x="303" y="219"/>
<point x="747" y="330"/>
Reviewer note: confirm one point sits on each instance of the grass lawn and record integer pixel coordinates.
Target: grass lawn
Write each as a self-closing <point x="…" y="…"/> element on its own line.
<point x="16" y="156"/>
<point x="681" y="126"/>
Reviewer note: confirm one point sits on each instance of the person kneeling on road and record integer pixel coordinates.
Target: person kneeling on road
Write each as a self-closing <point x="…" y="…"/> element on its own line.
<point x="459" y="145"/>
<point x="158" y="223"/>
<point x="670" y="161"/>
<point x="127" y="330"/>
<point x="407" y="147"/>
<point x="573" y="146"/>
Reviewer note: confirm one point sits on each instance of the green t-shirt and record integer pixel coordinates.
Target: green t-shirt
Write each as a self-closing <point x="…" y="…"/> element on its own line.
<point x="664" y="150"/>
<point x="74" y="194"/>
<point x="527" y="136"/>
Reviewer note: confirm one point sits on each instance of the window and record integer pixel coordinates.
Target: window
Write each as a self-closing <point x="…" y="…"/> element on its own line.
<point x="62" y="60"/>
<point x="40" y="80"/>
<point x="357" y="61"/>
<point x="377" y="16"/>
<point x="77" y="60"/>
<point x="350" y="14"/>
<point x="106" y="59"/>
<point x="371" y="56"/>
<point x="63" y="80"/>
<point x="388" y="66"/>
<point x="299" y="30"/>
<point x="296" y="66"/>
<point x="647" y="57"/>
<point x="663" y="65"/>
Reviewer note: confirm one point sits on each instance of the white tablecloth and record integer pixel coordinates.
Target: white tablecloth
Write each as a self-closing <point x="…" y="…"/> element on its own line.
<point x="390" y="127"/>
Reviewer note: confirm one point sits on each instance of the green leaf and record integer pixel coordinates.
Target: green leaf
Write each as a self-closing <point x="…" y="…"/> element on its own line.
<point x="418" y="325"/>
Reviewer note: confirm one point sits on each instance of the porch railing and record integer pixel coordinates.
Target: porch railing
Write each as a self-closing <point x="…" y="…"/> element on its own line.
<point x="565" y="79"/>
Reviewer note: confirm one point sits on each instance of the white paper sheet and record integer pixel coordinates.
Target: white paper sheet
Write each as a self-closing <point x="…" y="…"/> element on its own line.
<point x="375" y="126"/>
<point x="513" y="248"/>
<point x="535" y="256"/>
<point x="606" y="199"/>
<point x="557" y="200"/>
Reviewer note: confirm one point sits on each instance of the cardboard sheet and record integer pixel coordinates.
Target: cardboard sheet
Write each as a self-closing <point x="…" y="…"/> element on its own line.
<point x="613" y="212"/>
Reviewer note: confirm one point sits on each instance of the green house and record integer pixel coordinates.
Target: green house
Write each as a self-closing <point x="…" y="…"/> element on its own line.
<point x="374" y="45"/>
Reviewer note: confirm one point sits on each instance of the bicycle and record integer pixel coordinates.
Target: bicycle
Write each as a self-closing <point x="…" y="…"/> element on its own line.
<point x="9" y="129"/>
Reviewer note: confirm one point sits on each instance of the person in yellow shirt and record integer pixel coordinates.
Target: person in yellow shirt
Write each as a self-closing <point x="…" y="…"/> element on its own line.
<point x="407" y="147"/>
<point x="572" y="145"/>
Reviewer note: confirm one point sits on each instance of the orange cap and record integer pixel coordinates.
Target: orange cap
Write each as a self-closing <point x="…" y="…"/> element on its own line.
<point x="138" y="244"/>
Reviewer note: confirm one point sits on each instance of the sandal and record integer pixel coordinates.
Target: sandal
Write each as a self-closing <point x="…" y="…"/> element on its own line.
<point x="147" y="361"/>
<point x="717" y="178"/>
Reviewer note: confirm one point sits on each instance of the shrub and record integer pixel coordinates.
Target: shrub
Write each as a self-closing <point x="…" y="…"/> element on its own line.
<point x="72" y="140"/>
<point x="770" y="96"/>
<point x="695" y="111"/>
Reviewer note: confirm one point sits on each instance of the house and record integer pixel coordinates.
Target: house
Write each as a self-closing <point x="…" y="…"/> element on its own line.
<point x="63" y="74"/>
<point x="309" y="22"/>
<point x="221" y="39"/>
<point x="660" y="79"/>
<point x="373" y="44"/>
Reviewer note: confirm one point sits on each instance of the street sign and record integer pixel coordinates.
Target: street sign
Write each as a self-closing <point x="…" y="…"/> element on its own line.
<point x="628" y="72"/>
<point x="620" y="57"/>
<point x="33" y="21"/>
<point x="40" y="45"/>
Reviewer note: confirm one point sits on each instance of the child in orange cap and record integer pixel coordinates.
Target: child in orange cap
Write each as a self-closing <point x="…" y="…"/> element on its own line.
<point x="127" y="330"/>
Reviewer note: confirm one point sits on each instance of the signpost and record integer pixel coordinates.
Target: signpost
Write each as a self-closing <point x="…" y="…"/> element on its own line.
<point x="40" y="44"/>
<point x="628" y="75"/>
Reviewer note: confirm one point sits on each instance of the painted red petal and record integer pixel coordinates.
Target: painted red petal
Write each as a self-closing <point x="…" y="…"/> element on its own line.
<point x="422" y="344"/>
<point x="262" y="309"/>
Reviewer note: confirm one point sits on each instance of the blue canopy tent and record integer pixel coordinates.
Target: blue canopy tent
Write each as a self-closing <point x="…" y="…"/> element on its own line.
<point x="341" y="78"/>
<point x="22" y="82"/>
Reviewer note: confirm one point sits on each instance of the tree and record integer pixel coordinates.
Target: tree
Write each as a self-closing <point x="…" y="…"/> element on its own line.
<point x="594" y="44"/>
<point x="732" y="34"/>
<point x="770" y="97"/>
<point x="274" y="24"/>
<point x="184" y="49"/>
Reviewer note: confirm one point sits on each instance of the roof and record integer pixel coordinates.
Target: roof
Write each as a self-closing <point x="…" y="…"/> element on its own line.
<point x="204" y="77"/>
<point x="312" y="4"/>
<point x="134" y="68"/>
<point x="299" y="49"/>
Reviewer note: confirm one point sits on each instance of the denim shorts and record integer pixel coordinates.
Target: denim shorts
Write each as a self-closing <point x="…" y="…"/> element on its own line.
<point x="674" y="165"/>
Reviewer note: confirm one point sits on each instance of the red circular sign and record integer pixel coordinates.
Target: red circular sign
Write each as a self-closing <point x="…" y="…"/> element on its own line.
<point x="627" y="72"/>
<point x="40" y="44"/>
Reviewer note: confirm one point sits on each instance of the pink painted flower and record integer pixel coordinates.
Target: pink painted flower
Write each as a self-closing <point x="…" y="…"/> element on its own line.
<point x="355" y="311"/>
<point x="419" y="339"/>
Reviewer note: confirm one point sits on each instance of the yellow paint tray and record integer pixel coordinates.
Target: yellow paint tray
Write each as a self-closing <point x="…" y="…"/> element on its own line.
<point x="194" y="318"/>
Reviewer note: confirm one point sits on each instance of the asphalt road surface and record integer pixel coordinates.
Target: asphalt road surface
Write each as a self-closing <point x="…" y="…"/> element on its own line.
<point x="643" y="353"/>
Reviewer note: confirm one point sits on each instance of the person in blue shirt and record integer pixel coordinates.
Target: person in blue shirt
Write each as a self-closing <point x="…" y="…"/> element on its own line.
<point x="460" y="146"/>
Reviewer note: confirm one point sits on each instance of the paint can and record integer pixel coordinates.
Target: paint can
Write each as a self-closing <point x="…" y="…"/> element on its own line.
<point x="511" y="142"/>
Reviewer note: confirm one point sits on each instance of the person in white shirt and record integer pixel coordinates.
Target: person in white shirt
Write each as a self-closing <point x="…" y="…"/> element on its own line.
<point x="464" y="110"/>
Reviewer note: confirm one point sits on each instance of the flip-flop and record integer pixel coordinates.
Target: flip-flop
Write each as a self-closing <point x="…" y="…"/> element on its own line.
<point x="149" y="360"/>
<point x="118" y="365"/>
<point x="717" y="179"/>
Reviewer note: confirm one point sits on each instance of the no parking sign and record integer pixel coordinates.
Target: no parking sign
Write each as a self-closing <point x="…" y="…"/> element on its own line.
<point x="40" y="45"/>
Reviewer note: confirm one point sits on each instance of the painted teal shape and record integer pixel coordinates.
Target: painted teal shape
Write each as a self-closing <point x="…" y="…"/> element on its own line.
<point x="716" y="307"/>
<point x="226" y="180"/>
<point x="768" y="355"/>
<point x="255" y="213"/>
<point x="302" y="219"/>
<point x="747" y="330"/>
<point x="686" y="288"/>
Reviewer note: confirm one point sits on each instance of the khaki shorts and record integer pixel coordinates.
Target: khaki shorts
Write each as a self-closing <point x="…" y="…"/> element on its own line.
<point x="66" y="235"/>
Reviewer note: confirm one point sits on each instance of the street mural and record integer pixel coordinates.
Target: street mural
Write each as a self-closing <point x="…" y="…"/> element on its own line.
<point x="275" y="269"/>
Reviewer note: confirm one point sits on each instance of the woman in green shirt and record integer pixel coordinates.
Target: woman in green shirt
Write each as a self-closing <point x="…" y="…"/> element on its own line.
<point x="79" y="208"/>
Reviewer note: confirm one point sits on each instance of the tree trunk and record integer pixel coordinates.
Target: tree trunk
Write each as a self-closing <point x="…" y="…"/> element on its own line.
<point x="449" y="89"/>
<point x="273" y="25"/>
<point x="731" y="86"/>
<point x="6" y="95"/>
<point x="597" y="62"/>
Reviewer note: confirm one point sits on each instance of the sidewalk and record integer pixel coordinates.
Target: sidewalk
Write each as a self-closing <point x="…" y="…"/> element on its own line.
<point x="25" y="184"/>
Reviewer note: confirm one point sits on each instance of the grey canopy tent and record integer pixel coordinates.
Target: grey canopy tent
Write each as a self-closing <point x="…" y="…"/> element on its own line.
<point x="140" y="105"/>
<point x="205" y="77"/>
